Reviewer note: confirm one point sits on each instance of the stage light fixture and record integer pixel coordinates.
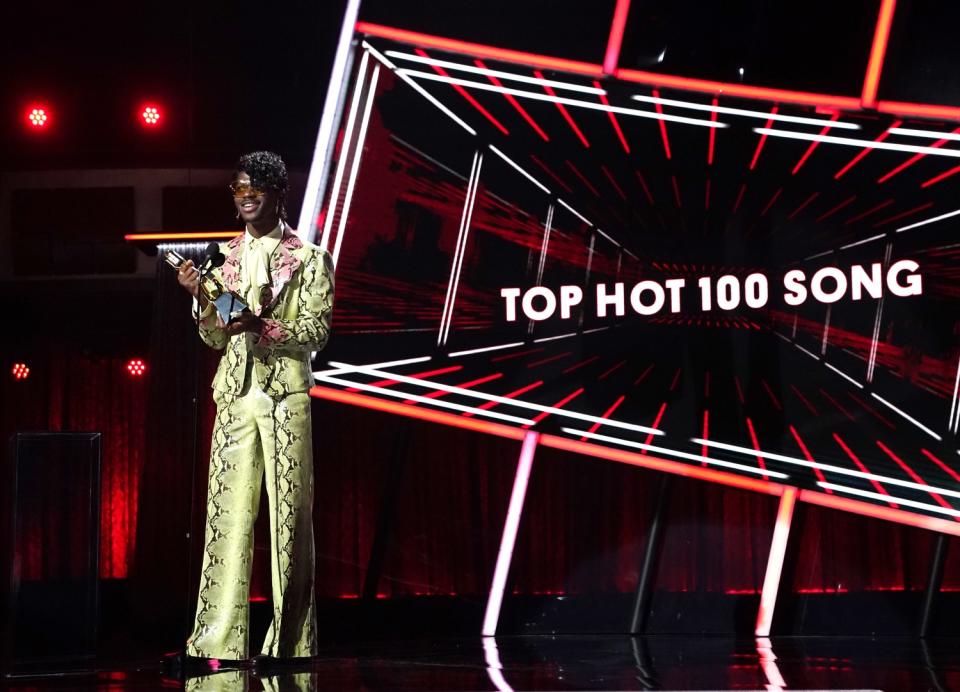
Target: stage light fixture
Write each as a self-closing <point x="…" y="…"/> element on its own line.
<point x="38" y="116"/>
<point x="136" y="367"/>
<point x="20" y="371"/>
<point x="150" y="115"/>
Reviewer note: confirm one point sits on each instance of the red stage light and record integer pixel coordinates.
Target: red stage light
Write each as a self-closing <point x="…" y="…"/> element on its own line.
<point x="20" y="371"/>
<point x="150" y="115"/>
<point x="136" y="367"/>
<point x="37" y="117"/>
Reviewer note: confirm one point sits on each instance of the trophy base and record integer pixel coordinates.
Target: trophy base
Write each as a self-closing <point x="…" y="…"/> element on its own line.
<point x="229" y="307"/>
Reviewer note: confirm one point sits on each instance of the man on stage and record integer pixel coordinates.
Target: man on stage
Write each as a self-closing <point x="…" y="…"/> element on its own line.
<point x="262" y="432"/>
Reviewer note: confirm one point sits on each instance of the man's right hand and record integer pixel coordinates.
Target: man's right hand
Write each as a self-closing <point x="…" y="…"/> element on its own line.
<point x="189" y="278"/>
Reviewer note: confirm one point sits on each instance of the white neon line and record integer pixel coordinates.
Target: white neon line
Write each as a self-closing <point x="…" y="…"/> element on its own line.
<point x="632" y="255"/>
<point x="778" y="550"/>
<point x="612" y="241"/>
<point x="423" y="154"/>
<point x="768" y="661"/>
<point x="378" y="55"/>
<point x="826" y="331"/>
<point x="890" y="498"/>
<point x="323" y="147"/>
<point x="675" y="453"/>
<point x="484" y="350"/>
<point x="456" y="251"/>
<point x="432" y="99"/>
<point x="553" y="338"/>
<point x="760" y="115"/>
<point x="509" y="537"/>
<point x="463" y="249"/>
<point x="875" y="341"/>
<point x="520" y="170"/>
<point x="933" y="220"/>
<point x="785" y="338"/>
<point x="345" y="148"/>
<point x="923" y="487"/>
<point x="536" y="96"/>
<point x="424" y="400"/>
<point x="951" y="425"/>
<point x="819" y="254"/>
<point x="812" y="355"/>
<point x="863" y="242"/>
<point x="575" y="212"/>
<point x="544" y="245"/>
<point x="843" y="375"/>
<point x="853" y="142"/>
<point x="494" y="667"/>
<point x="929" y="134"/>
<point x="905" y="416"/>
<point x="495" y="73"/>
<point x="355" y="169"/>
<point x="793" y="335"/>
<point x="518" y="403"/>
<point x="387" y="364"/>
<point x="595" y="329"/>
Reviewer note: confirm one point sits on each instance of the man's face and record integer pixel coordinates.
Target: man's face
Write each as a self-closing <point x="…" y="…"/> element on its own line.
<point x="252" y="204"/>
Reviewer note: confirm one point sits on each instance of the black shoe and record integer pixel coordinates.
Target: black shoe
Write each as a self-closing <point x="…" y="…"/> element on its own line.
<point x="264" y="665"/>
<point x="180" y="665"/>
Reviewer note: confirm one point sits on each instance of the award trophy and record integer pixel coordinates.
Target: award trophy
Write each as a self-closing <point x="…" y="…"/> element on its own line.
<point x="229" y="305"/>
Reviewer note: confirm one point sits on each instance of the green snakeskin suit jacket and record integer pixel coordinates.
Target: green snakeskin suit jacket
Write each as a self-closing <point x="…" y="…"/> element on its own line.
<point x="296" y="321"/>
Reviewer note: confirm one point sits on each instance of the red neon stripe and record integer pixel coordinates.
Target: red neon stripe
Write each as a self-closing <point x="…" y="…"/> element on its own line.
<point x="946" y="469"/>
<point x="706" y="197"/>
<point x="613" y="119"/>
<point x="465" y="94"/>
<point x="813" y="145"/>
<point x="913" y="474"/>
<point x="706" y="432"/>
<point x="560" y="404"/>
<point x="579" y="365"/>
<point x="612" y="181"/>
<point x="657" y="464"/>
<point x="478" y="50"/>
<point x="880" y="36"/>
<point x="420" y="375"/>
<point x="563" y="111"/>
<point x="643" y="375"/>
<point x="606" y="414"/>
<point x="465" y="385"/>
<point x="643" y="184"/>
<point x="913" y="159"/>
<point x="923" y="110"/>
<point x="872" y="411"/>
<point x="772" y="200"/>
<point x="663" y="126"/>
<point x="583" y="178"/>
<point x="763" y="138"/>
<point x="516" y="104"/>
<point x="860" y="465"/>
<point x="736" y="381"/>
<point x="831" y="212"/>
<point x="676" y="378"/>
<point x="856" y="159"/>
<point x="836" y="403"/>
<point x="903" y="214"/>
<point x="498" y="429"/>
<point x="655" y="425"/>
<point x="551" y="173"/>
<point x="804" y="400"/>
<point x="512" y="395"/>
<point x="511" y="356"/>
<point x="756" y="446"/>
<point x="676" y="191"/>
<point x="899" y="516"/>
<point x="736" y="205"/>
<point x="615" y="40"/>
<point x="809" y="457"/>
<point x="867" y="213"/>
<point x="773" y="398"/>
<point x="943" y="176"/>
<point x="713" y="134"/>
<point x="612" y="370"/>
<point x="548" y="359"/>
<point x="803" y="206"/>
<point x="206" y="235"/>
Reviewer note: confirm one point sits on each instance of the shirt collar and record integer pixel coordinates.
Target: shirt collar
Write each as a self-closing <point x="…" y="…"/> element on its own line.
<point x="275" y="235"/>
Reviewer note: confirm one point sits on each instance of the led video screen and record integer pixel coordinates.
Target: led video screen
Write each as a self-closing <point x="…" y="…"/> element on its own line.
<point x="755" y="293"/>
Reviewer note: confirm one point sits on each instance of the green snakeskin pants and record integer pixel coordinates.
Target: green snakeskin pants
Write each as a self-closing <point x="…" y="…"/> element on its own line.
<point x="258" y="441"/>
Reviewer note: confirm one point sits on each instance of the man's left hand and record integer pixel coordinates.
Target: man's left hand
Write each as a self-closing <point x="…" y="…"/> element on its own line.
<point x="246" y="322"/>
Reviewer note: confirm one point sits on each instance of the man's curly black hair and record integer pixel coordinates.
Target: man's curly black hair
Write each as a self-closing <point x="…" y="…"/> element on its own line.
<point x="268" y="172"/>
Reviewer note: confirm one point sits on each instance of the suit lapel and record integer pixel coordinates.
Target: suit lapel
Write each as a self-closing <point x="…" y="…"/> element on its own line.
<point x="284" y="264"/>
<point x="231" y="268"/>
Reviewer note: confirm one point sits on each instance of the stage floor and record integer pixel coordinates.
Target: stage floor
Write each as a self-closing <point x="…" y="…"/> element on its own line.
<point x="613" y="662"/>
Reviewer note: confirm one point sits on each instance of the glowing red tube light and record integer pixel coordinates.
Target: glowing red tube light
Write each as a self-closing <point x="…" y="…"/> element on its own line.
<point x="563" y="111"/>
<point x="616" y="125"/>
<point x="875" y="65"/>
<point x="466" y="95"/>
<point x="516" y="104"/>
<point x="763" y="139"/>
<point x="663" y="125"/>
<point x="615" y="40"/>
